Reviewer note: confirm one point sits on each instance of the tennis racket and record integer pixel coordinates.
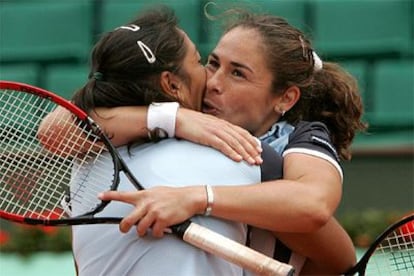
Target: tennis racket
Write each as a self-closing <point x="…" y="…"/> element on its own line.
<point x="392" y="253"/>
<point x="37" y="183"/>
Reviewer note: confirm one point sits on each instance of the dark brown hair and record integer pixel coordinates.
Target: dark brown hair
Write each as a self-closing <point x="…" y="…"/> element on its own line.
<point x="329" y="95"/>
<point x="121" y="74"/>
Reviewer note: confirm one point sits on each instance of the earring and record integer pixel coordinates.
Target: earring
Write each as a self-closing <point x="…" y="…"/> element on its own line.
<point x="280" y="110"/>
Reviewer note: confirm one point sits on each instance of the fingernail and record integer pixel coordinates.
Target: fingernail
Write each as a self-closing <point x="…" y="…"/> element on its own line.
<point x="251" y="160"/>
<point x="260" y="149"/>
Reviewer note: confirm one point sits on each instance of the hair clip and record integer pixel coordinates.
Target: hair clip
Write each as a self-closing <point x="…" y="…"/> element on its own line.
<point x="132" y="27"/>
<point x="317" y="62"/>
<point x="149" y="55"/>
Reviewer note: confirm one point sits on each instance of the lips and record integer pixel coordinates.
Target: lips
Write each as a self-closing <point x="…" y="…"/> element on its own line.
<point x="209" y="108"/>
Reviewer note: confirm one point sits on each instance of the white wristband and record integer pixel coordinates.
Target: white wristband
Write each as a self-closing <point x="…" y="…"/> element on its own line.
<point x="162" y="115"/>
<point x="210" y="200"/>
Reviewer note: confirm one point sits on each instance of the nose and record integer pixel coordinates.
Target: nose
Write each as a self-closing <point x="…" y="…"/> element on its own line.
<point x="214" y="82"/>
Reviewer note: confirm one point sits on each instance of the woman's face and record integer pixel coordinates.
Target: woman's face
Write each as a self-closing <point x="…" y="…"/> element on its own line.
<point x="239" y="82"/>
<point x="192" y="91"/>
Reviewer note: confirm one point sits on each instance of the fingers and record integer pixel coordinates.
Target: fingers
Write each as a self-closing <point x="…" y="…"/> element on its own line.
<point x="144" y="221"/>
<point x="154" y="223"/>
<point x="142" y="216"/>
<point x="133" y="218"/>
<point x="234" y="141"/>
<point x="127" y="197"/>
<point x="238" y="144"/>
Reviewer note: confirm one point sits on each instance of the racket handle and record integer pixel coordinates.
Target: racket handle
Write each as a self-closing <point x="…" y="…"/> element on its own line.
<point x="234" y="252"/>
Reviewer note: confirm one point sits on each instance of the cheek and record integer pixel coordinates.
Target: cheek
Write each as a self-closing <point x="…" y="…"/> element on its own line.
<point x="247" y="104"/>
<point x="235" y="108"/>
<point x="238" y="97"/>
<point x="196" y="94"/>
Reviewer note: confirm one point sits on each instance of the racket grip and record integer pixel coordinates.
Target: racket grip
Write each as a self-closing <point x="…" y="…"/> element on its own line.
<point x="234" y="252"/>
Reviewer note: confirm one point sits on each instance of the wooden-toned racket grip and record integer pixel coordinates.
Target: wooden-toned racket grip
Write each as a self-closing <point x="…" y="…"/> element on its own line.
<point x="234" y="252"/>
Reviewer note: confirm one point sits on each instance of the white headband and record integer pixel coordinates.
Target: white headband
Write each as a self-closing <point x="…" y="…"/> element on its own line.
<point x="149" y="55"/>
<point x="317" y="65"/>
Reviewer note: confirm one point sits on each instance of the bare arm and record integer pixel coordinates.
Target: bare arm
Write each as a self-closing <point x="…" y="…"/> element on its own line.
<point x="329" y="250"/>
<point x="122" y="124"/>
<point x="301" y="202"/>
<point x="128" y="123"/>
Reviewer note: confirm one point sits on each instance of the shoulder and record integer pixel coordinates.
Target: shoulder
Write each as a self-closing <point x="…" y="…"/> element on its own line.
<point x="312" y="136"/>
<point x="305" y="130"/>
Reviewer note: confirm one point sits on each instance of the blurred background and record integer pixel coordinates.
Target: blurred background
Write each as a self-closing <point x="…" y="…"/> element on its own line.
<point x="47" y="43"/>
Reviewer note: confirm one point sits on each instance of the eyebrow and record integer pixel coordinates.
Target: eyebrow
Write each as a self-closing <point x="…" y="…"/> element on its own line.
<point x="233" y="63"/>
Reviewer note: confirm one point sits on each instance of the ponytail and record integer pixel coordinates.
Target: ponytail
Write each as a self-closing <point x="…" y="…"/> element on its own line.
<point x="332" y="98"/>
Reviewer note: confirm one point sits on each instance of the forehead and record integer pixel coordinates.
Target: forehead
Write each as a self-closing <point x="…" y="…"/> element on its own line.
<point x="244" y="46"/>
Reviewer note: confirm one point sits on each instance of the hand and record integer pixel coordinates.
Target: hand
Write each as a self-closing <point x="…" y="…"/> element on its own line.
<point x="158" y="208"/>
<point x="59" y="133"/>
<point x="233" y="141"/>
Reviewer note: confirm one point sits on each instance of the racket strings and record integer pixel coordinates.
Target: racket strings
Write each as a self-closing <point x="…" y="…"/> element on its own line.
<point x="22" y="160"/>
<point x="395" y="254"/>
<point x="37" y="182"/>
<point x="10" y="137"/>
<point x="91" y="168"/>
